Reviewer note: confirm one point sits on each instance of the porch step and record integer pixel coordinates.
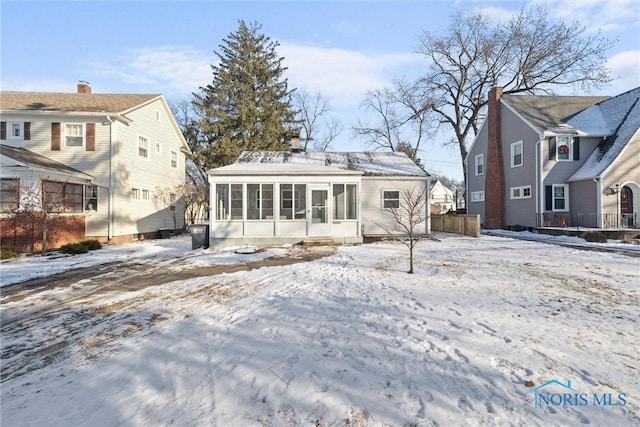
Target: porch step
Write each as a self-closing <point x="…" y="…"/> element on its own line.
<point x="318" y="241"/>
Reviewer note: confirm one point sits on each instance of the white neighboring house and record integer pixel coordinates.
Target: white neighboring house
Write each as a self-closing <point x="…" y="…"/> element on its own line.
<point x="443" y="199"/>
<point x="269" y="197"/>
<point x="110" y="151"/>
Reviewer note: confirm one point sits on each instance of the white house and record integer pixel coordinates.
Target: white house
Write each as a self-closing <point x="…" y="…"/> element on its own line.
<point x="443" y="199"/>
<point x="286" y="197"/>
<point x="106" y="154"/>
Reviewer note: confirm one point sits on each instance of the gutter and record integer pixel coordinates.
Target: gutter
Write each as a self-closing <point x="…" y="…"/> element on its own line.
<point x="110" y="215"/>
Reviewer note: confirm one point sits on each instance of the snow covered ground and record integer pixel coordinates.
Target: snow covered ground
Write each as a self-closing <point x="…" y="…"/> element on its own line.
<point x="346" y="339"/>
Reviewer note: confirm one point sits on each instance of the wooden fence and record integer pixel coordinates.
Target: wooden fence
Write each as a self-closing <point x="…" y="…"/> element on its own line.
<point x="468" y="225"/>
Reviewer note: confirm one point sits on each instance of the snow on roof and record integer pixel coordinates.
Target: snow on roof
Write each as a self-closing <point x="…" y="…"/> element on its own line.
<point x="618" y="119"/>
<point x="366" y="163"/>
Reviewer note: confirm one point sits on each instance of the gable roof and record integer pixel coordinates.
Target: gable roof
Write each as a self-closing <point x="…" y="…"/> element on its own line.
<point x="545" y="112"/>
<point x="357" y="163"/>
<point x="618" y="119"/>
<point x="25" y="158"/>
<point x="77" y="102"/>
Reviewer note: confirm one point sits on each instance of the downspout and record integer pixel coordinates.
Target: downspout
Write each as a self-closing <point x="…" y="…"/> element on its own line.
<point x="110" y="216"/>
<point x="428" y="190"/>
<point x="598" y="182"/>
<point x="539" y="183"/>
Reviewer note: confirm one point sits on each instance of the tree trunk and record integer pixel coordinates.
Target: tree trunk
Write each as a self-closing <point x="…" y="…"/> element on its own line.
<point x="411" y="259"/>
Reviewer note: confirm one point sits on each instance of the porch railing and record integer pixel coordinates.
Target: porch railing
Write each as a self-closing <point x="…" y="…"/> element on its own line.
<point x="587" y="220"/>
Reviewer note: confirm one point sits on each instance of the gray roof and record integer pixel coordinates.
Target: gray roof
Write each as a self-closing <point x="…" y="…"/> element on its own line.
<point x="364" y="163"/>
<point x="38" y="161"/>
<point x="76" y="102"/>
<point x="617" y="118"/>
<point x="549" y="111"/>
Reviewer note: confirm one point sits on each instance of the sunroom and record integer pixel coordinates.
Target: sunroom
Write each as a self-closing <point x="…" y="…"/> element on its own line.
<point x="277" y="204"/>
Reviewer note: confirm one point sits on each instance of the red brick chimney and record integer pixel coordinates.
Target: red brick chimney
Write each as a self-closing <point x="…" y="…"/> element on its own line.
<point x="494" y="186"/>
<point x="83" y="87"/>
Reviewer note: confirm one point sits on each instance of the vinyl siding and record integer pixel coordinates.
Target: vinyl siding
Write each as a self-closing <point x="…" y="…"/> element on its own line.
<point x="476" y="183"/>
<point x="624" y="170"/>
<point x="133" y="171"/>
<point x="130" y="217"/>
<point x="583" y="197"/>
<point x="519" y="211"/>
<point x="372" y="214"/>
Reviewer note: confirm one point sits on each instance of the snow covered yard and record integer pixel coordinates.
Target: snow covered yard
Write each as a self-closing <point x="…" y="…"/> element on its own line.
<point x="344" y="339"/>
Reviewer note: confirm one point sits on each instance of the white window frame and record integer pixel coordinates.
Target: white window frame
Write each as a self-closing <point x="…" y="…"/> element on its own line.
<point x="514" y="146"/>
<point x="479" y="162"/>
<point x="158" y="147"/>
<point x="173" y="162"/>
<point x="91" y="193"/>
<point x="565" y="198"/>
<point x="384" y="199"/>
<point x="145" y="194"/>
<point x="135" y="193"/>
<point x="569" y="143"/>
<point x="477" y="196"/>
<point x="519" y="192"/>
<point x="66" y="135"/>
<point x="20" y="130"/>
<point x="147" y="148"/>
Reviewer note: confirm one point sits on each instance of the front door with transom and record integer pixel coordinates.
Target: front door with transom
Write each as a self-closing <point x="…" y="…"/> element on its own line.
<point x="318" y="223"/>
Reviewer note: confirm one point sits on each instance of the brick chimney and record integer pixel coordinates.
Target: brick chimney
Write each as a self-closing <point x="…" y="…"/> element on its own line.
<point x="494" y="186"/>
<point x="84" y="87"/>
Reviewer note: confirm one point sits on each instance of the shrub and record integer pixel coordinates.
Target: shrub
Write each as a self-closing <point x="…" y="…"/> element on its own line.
<point x="9" y="252"/>
<point x="92" y="245"/>
<point x="594" y="236"/>
<point x="74" y="249"/>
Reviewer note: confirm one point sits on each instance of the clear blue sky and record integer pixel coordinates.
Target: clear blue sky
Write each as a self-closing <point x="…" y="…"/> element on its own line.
<point x="339" y="49"/>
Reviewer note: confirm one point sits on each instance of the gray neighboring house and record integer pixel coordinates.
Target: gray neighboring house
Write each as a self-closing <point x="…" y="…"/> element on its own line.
<point x="269" y="197"/>
<point x="557" y="161"/>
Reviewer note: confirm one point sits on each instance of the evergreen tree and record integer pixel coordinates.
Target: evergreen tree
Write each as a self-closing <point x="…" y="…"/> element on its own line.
<point x="248" y="106"/>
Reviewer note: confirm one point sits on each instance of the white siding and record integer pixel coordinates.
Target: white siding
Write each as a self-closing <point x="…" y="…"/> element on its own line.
<point x="133" y="171"/>
<point x="374" y="217"/>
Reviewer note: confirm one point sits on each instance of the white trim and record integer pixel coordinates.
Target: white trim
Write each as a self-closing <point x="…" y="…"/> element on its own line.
<point x="10" y="134"/>
<point x="148" y="148"/>
<point x="566" y="197"/>
<point x="481" y="157"/>
<point x="171" y="153"/>
<point x="569" y="144"/>
<point x="383" y="199"/>
<point x="521" y="192"/>
<point x="82" y="135"/>
<point x="513" y="149"/>
<point x="477" y="196"/>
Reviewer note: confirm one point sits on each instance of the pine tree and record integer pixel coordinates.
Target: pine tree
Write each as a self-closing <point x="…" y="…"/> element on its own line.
<point x="248" y="106"/>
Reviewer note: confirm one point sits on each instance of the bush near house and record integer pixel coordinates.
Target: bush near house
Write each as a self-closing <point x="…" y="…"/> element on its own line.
<point x="594" y="236"/>
<point x="80" y="247"/>
<point x="9" y="252"/>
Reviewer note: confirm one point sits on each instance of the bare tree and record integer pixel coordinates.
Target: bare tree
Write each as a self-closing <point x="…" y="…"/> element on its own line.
<point x="410" y="216"/>
<point x="403" y="119"/>
<point x="317" y="134"/>
<point x="167" y="198"/>
<point x="196" y="167"/>
<point x="528" y="54"/>
<point x="41" y="203"/>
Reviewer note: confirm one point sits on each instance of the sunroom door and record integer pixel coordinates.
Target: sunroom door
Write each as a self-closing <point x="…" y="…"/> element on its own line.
<point x="318" y="216"/>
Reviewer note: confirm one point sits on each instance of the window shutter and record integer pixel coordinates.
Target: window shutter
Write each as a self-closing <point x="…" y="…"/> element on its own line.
<point x="576" y="148"/>
<point x="91" y="136"/>
<point x="3" y="130"/>
<point x="548" y="197"/>
<point x="27" y="131"/>
<point x="552" y="148"/>
<point x="55" y="136"/>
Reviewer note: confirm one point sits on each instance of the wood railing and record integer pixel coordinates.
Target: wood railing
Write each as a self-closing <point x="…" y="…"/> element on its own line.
<point x="467" y="225"/>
